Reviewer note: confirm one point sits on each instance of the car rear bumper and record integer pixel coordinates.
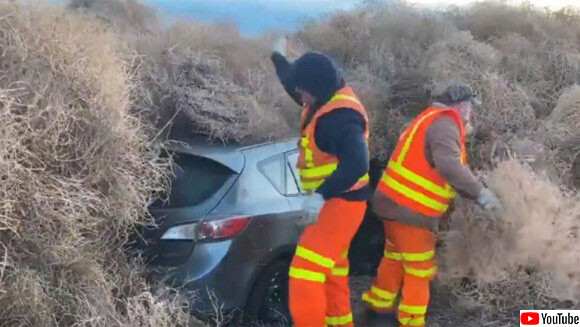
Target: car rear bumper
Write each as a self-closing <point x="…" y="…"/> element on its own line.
<point x="222" y="274"/>
<point x="206" y="278"/>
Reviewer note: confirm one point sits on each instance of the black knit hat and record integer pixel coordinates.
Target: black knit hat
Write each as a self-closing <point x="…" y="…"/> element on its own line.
<point x="315" y="73"/>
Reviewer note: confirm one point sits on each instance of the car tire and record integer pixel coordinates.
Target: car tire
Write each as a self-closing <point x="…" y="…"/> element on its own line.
<point x="267" y="303"/>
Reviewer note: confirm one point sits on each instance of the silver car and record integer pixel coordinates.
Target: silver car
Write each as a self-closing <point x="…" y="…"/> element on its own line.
<point x="228" y="231"/>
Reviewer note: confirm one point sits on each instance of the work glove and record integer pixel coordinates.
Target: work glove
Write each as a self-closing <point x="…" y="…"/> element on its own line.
<point x="311" y="207"/>
<point x="280" y="46"/>
<point x="489" y="201"/>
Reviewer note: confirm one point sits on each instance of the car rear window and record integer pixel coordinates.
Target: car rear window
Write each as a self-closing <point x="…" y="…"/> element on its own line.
<point x="195" y="180"/>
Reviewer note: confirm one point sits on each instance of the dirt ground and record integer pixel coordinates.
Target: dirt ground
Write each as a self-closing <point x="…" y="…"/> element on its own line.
<point x="444" y="310"/>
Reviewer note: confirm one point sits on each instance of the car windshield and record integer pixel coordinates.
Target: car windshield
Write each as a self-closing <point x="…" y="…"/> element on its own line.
<point x="195" y="180"/>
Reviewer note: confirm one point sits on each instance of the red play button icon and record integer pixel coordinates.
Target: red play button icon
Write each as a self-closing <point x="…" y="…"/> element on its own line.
<point x="530" y="318"/>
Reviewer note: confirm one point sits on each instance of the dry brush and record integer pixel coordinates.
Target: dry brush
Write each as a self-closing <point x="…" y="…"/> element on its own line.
<point x="77" y="176"/>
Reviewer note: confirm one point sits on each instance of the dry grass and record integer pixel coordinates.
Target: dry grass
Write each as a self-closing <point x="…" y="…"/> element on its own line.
<point x="539" y="49"/>
<point x="462" y="58"/>
<point x="78" y="172"/>
<point x="76" y="177"/>
<point x="206" y="79"/>
<point x="126" y="16"/>
<point x="563" y="125"/>
<point x="522" y="259"/>
<point x="198" y="78"/>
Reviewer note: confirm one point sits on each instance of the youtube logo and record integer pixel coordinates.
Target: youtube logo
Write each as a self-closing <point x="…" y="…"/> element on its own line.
<point x="530" y="318"/>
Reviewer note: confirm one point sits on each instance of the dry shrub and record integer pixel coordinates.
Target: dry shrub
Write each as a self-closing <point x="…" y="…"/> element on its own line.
<point x="342" y="36"/>
<point x="489" y="19"/>
<point x="560" y="132"/>
<point x="76" y="177"/>
<point x="124" y="15"/>
<point x="539" y="49"/>
<point x="564" y="121"/>
<point x="461" y="57"/>
<point x="524" y="258"/>
<point x="544" y="69"/>
<point x="206" y="79"/>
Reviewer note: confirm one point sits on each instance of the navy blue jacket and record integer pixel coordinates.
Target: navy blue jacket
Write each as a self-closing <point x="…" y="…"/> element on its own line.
<point x="340" y="133"/>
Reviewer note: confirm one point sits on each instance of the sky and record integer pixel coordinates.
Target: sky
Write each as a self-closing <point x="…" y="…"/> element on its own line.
<point x="552" y="4"/>
<point x="252" y="16"/>
<point x="257" y="16"/>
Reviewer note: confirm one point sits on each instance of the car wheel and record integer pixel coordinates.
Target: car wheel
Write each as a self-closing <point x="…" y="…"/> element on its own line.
<point x="268" y="300"/>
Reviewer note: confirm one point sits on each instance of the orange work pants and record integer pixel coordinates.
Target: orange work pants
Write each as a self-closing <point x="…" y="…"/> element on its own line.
<point x="408" y="266"/>
<point x="319" y="292"/>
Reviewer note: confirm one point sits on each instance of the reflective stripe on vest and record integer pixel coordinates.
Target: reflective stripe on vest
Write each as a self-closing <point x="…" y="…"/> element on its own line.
<point x="419" y="192"/>
<point x="313" y="174"/>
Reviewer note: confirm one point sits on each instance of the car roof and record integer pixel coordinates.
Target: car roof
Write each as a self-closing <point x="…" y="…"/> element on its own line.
<point x="228" y="154"/>
<point x="286" y="144"/>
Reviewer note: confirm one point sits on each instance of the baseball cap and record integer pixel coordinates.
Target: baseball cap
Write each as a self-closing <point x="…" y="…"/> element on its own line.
<point x="459" y="92"/>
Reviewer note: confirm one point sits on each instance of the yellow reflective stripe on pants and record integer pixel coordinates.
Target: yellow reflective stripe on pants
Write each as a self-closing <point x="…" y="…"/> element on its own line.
<point x="413" y="309"/>
<point x="337" y="321"/>
<point x="393" y="255"/>
<point x="423" y="273"/>
<point x="408" y="321"/>
<point x="309" y="275"/>
<point x="314" y="257"/>
<point x="378" y="303"/>
<point x="444" y="192"/>
<point x="421" y="256"/>
<point x="407" y="256"/>
<point x="385" y="295"/>
<point x="416" y="196"/>
<point x="340" y="271"/>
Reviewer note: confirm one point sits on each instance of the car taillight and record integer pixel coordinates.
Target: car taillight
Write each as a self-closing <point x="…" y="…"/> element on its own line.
<point x="209" y="230"/>
<point x="222" y="229"/>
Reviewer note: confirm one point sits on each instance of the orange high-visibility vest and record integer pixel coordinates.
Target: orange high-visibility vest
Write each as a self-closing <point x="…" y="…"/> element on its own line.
<point x="314" y="165"/>
<point x="409" y="179"/>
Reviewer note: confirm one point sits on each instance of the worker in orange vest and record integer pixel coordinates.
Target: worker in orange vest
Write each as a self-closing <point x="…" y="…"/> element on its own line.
<point x="333" y="167"/>
<point x="426" y="169"/>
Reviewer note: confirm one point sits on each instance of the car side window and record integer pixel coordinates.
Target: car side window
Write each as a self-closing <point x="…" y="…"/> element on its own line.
<point x="280" y="171"/>
<point x="292" y="184"/>
<point x="274" y="170"/>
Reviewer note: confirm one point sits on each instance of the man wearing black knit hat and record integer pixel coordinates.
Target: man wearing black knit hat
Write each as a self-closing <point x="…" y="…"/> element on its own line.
<point x="333" y="168"/>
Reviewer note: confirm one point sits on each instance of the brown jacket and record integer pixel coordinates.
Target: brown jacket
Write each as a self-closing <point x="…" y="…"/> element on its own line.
<point x="442" y="149"/>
